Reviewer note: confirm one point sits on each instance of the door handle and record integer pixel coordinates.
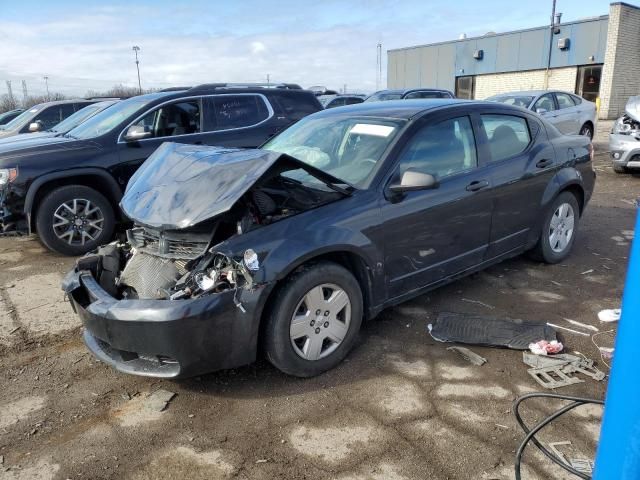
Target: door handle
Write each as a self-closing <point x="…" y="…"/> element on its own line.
<point x="477" y="185"/>
<point x="544" y="163"/>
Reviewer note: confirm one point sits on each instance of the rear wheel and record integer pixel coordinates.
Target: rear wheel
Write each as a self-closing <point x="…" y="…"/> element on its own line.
<point x="73" y="220"/>
<point x="587" y="130"/>
<point x="314" y="320"/>
<point x="559" y="230"/>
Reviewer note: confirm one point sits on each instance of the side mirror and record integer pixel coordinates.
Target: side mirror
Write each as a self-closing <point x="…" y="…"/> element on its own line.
<point x="35" y="126"/>
<point x="137" y="132"/>
<point x="412" y="180"/>
<point x="541" y="111"/>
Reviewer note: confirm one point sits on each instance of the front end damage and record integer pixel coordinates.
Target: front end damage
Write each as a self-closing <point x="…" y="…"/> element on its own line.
<point x="624" y="139"/>
<point x="176" y="299"/>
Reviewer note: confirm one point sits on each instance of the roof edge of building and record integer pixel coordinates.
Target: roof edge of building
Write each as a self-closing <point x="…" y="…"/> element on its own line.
<point x="626" y="5"/>
<point x="511" y="32"/>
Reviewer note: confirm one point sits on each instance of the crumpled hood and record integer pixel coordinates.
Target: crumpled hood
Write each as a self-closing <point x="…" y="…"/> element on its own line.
<point x="633" y="108"/>
<point x="181" y="185"/>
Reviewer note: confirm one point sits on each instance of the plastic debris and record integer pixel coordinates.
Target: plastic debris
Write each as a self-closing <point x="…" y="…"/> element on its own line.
<point x="571" y="330"/>
<point x="582" y="325"/>
<point x="542" y="347"/>
<point x="612" y="315"/>
<point x="553" y="377"/>
<point x="469" y="355"/>
<point x="555" y="371"/>
<point x="488" y="331"/>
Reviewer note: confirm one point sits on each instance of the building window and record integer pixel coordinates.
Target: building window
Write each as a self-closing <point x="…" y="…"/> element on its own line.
<point x="588" y="82"/>
<point x="466" y="87"/>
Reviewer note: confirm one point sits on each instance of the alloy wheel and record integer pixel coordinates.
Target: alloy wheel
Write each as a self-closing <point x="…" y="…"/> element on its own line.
<point x="320" y="322"/>
<point x="78" y="221"/>
<point x="561" y="228"/>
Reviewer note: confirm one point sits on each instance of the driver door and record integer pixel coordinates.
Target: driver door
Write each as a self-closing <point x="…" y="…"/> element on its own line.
<point x="438" y="232"/>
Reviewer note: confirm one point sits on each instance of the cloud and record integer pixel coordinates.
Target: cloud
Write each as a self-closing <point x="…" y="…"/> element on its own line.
<point x="257" y="47"/>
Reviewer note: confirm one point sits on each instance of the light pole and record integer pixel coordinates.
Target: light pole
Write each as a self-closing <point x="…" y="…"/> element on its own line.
<point x="46" y="82"/>
<point x="136" y="49"/>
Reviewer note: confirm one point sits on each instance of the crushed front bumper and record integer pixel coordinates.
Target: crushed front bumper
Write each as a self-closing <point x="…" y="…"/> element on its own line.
<point x="165" y="338"/>
<point x="624" y="150"/>
<point x="12" y="217"/>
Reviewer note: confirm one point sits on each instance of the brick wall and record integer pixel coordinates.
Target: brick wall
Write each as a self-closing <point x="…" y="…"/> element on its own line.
<point x="621" y="70"/>
<point x="495" y="83"/>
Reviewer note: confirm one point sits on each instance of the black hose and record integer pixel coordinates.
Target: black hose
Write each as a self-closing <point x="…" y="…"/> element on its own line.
<point x="577" y="401"/>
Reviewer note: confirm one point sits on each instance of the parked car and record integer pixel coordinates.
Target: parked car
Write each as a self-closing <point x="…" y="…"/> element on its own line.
<point x="10" y="115"/>
<point x="67" y="189"/>
<point x="319" y="90"/>
<point x="331" y="101"/>
<point x="64" y="126"/>
<point x="570" y="113"/>
<point x="624" y="139"/>
<point x="42" y="117"/>
<point x="409" y="94"/>
<point x="288" y="248"/>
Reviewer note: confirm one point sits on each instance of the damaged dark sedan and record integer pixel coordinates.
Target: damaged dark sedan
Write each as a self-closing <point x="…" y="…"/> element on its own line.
<point x="287" y="249"/>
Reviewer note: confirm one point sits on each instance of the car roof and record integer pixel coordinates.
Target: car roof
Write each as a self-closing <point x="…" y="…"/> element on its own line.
<point x="402" y="109"/>
<point x="407" y="90"/>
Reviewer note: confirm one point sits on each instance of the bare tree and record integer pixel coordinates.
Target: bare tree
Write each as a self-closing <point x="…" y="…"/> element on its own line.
<point x="7" y="103"/>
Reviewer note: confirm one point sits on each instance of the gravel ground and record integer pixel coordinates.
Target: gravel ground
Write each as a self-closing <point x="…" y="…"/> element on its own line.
<point x="400" y="407"/>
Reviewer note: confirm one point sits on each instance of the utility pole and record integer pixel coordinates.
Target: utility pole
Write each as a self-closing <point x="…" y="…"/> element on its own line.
<point x="344" y="88"/>
<point x="136" y="49"/>
<point x="268" y="82"/>
<point x="552" y="28"/>
<point x="46" y="82"/>
<point x="378" y="66"/>
<point x="10" y="91"/>
<point x="25" y="94"/>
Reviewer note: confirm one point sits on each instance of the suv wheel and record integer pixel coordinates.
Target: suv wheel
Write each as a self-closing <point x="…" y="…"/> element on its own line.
<point x="73" y="220"/>
<point x="314" y="320"/>
<point x="587" y="131"/>
<point x="559" y="229"/>
<point x="619" y="169"/>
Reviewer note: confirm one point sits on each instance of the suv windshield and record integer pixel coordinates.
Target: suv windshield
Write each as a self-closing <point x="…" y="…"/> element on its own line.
<point x="517" y="100"/>
<point x="108" y="119"/>
<point x="77" y="118"/>
<point x="20" y="119"/>
<point x="347" y="148"/>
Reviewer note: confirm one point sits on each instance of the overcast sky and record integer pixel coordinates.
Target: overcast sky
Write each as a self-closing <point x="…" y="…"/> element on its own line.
<point x="81" y="46"/>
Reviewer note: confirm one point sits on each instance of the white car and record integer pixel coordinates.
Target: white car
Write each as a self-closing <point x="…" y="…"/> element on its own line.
<point x="624" y="139"/>
<point x="569" y="113"/>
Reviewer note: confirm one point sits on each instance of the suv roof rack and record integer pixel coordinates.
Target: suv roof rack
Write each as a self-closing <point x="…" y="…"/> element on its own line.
<point x="175" y="89"/>
<point x="213" y="86"/>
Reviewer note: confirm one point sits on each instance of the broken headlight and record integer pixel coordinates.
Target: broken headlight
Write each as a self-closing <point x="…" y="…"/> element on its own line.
<point x="625" y="126"/>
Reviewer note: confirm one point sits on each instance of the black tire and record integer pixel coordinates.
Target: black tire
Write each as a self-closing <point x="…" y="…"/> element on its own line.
<point x="587" y="130"/>
<point x="543" y="251"/>
<point x="619" y="169"/>
<point x="53" y="200"/>
<point x="278" y="344"/>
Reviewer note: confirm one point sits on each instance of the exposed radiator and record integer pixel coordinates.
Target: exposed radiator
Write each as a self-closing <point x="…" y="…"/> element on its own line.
<point x="149" y="275"/>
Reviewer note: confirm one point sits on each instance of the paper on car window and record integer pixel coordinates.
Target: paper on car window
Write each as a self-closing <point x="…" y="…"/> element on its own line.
<point x="369" y="129"/>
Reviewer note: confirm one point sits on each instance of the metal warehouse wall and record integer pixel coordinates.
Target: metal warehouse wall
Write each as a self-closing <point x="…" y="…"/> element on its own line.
<point x="438" y="64"/>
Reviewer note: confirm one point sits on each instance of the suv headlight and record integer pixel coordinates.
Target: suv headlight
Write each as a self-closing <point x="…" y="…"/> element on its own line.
<point x="8" y="175"/>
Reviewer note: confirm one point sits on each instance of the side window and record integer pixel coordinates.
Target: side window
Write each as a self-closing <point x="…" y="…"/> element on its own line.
<point x="181" y="118"/>
<point x="508" y="135"/>
<point x="354" y="100"/>
<point x="545" y="102"/>
<point x="49" y="117"/>
<point x="224" y="112"/>
<point x="443" y="149"/>
<point x="297" y="106"/>
<point x="337" y="102"/>
<point x="565" y="100"/>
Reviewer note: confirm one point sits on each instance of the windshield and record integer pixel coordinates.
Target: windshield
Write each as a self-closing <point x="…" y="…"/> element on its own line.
<point x="20" y="119"/>
<point x="107" y="120"/>
<point x="80" y="116"/>
<point x="347" y="148"/>
<point x="517" y="100"/>
<point x="325" y="99"/>
<point x="383" y="96"/>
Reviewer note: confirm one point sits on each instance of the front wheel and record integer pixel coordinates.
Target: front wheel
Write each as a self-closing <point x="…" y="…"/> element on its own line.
<point x="558" y="230"/>
<point x="73" y="220"/>
<point x="314" y="320"/>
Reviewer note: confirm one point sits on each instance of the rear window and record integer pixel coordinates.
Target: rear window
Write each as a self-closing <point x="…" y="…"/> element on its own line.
<point x="224" y="112"/>
<point x="297" y="106"/>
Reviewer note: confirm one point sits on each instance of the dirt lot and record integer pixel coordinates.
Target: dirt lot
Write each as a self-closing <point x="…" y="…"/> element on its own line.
<point x="400" y="407"/>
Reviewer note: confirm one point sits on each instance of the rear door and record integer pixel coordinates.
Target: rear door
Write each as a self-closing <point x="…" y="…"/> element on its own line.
<point x="521" y="163"/>
<point x="568" y="113"/>
<point x="432" y="234"/>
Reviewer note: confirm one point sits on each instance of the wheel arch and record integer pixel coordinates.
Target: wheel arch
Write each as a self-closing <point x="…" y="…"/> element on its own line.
<point x="95" y="178"/>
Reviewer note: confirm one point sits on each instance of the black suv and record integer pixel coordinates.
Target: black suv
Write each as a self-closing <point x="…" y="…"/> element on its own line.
<point x="67" y="188"/>
<point x="43" y="116"/>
